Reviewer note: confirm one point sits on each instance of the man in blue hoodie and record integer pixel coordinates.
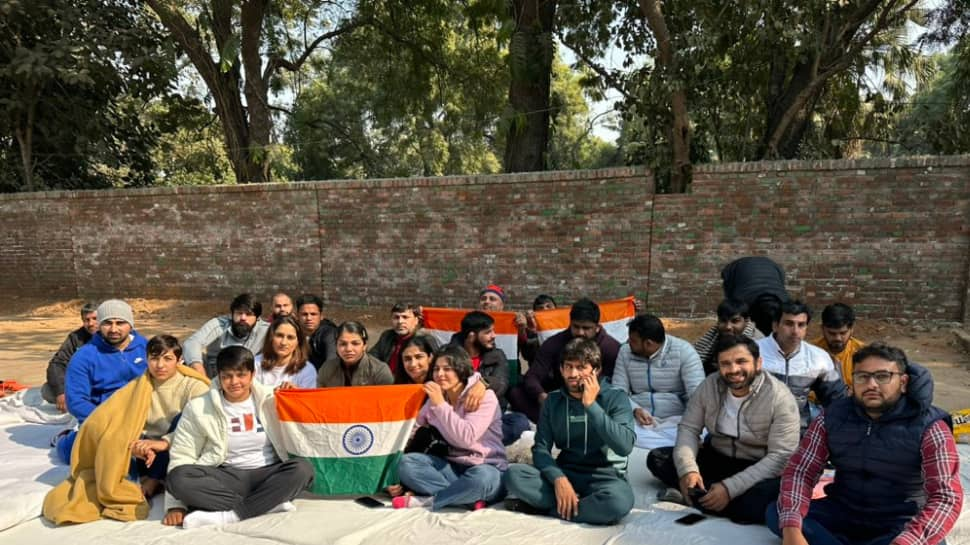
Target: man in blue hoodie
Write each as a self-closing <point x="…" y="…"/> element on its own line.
<point x="593" y="428"/>
<point x="114" y="356"/>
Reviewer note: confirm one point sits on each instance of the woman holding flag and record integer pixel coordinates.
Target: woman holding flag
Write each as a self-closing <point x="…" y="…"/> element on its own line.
<point x="471" y="473"/>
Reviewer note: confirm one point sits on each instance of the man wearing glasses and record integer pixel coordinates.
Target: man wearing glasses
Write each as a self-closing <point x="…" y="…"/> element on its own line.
<point x="897" y="474"/>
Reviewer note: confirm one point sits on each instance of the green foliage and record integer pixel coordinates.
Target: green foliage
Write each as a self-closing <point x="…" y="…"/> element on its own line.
<point x="938" y="120"/>
<point x="190" y="150"/>
<point x="573" y="145"/>
<point x="417" y="94"/>
<point x="742" y="66"/>
<point x="78" y="73"/>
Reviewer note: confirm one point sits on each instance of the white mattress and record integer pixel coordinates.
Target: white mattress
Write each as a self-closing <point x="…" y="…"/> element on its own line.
<point x="27" y="471"/>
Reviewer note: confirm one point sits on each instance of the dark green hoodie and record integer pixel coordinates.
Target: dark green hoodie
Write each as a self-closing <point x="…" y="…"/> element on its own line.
<point x="586" y="436"/>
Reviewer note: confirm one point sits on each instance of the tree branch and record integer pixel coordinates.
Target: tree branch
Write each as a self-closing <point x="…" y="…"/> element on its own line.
<point x="277" y="62"/>
<point x="601" y="71"/>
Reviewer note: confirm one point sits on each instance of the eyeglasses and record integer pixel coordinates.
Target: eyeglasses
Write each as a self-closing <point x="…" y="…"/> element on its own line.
<point x="882" y="377"/>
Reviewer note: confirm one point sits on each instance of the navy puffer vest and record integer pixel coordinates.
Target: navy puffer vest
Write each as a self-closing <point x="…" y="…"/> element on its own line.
<point x="878" y="477"/>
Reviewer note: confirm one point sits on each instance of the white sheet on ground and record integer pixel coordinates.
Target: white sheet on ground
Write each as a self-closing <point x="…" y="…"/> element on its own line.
<point x="28" y="471"/>
<point x="662" y="433"/>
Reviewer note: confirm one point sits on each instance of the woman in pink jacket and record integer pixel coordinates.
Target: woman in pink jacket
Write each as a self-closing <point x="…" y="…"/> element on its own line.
<point x="471" y="474"/>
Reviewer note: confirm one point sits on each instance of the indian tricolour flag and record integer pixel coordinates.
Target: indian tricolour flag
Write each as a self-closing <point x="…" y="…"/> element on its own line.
<point x="445" y="322"/>
<point x="353" y="437"/>
<point x="614" y="316"/>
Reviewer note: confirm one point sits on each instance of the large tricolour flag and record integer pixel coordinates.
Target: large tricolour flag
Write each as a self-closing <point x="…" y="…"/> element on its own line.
<point x="353" y="437"/>
<point x="614" y="316"/>
<point x="445" y="322"/>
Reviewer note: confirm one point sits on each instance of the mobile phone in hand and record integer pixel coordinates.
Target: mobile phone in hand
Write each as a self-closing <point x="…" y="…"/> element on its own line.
<point x="696" y="493"/>
<point x="368" y="501"/>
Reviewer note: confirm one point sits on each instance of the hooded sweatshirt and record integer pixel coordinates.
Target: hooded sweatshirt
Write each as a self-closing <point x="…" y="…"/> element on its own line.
<point x="473" y="437"/>
<point x="98" y="369"/>
<point x="590" y="438"/>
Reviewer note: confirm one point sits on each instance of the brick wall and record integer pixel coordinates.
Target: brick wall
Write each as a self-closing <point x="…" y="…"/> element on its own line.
<point x="888" y="236"/>
<point x="435" y="241"/>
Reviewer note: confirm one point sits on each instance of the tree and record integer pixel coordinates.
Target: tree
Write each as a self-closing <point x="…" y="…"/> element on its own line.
<point x="531" y="52"/>
<point x="419" y="92"/>
<point x="227" y="41"/>
<point x="938" y="119"/>
<point x="78" y="72"/>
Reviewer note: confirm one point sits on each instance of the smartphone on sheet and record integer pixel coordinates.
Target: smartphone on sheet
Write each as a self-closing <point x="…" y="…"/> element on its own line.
<point x="368" y="501"/>
<point x="688" y="520"/>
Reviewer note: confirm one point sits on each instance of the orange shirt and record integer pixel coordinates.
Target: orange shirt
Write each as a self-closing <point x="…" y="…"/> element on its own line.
<point x="844" y="358"/>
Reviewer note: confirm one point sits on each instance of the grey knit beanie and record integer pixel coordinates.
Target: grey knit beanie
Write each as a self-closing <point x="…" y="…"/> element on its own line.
<point x="115" y="309"/>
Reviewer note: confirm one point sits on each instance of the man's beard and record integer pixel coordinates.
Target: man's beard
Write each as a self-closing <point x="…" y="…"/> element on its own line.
<point x="240" y="330"/>
<point x="481" y="347"/>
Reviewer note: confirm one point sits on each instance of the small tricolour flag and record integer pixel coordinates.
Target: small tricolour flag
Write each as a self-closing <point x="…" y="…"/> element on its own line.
<point x="614" y="316"/>
<point x="353" y="437"/>
<point x="445" y="322"/>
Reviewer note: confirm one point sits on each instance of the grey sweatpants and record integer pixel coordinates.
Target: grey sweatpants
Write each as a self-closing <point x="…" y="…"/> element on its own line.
<point x="248" y="492"/>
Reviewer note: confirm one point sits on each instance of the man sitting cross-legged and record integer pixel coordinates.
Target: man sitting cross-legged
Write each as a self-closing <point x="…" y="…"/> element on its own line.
<point x="897" y="475"/>
<point x="660" y="372"/>
<point x="593" y="427"/>
<point x="752" y="424"/>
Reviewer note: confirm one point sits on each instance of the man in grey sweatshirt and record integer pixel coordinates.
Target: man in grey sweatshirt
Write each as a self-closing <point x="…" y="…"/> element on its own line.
<point x="752" y="422"/>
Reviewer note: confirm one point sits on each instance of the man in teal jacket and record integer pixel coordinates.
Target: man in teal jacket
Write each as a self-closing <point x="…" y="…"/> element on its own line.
<point x="593" y="427"/>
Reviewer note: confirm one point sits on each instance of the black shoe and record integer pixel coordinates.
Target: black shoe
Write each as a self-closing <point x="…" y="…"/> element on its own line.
<point x="519" y="506"/>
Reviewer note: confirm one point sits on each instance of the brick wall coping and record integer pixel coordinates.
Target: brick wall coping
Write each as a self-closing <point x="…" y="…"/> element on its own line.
<point x="928" y="161"/>
<point x="441" y="181"/>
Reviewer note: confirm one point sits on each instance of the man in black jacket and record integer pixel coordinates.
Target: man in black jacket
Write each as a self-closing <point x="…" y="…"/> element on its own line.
<point x="759" y="282"/>
<point x="320" y="332"/>
<point x="53" y="389"/>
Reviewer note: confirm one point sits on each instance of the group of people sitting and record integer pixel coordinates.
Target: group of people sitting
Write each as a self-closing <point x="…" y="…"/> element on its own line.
<point x="759" y="415"/>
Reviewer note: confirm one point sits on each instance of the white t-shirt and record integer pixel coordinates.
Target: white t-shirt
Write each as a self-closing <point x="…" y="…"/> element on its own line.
<point x="728" y="421"/>
<point x="249" y="447"/>
<point x="304" y="378"/>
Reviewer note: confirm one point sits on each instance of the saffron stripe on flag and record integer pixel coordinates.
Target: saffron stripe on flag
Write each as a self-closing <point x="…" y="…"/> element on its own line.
<point x="386" y="403"/>
<point x="442" y="323"/>
<point x="614" y="316"/>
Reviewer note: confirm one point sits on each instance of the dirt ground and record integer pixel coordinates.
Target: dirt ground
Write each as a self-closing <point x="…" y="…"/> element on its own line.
<point x="31" y="332"/>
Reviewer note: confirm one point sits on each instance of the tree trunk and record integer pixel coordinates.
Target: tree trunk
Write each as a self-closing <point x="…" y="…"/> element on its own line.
<point x="681" y="170"/>
<point x="530" y="60"/>
<point x="247" y="156"/>
<point x="789" y="113"/>
<point x="25" y="141"/>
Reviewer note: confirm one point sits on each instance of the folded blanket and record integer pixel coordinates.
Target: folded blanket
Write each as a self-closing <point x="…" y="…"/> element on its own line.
<point x="97" y="486"/>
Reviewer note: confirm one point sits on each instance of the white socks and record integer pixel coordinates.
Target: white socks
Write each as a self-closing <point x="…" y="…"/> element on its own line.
<point x="284" y="507"/>
<point x="198" y="519"/>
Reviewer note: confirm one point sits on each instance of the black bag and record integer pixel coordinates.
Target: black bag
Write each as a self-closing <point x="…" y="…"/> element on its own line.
<point x="428" y="440"/>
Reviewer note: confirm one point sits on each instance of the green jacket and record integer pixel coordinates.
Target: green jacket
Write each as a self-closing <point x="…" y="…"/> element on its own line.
<point x="589" y="437"/>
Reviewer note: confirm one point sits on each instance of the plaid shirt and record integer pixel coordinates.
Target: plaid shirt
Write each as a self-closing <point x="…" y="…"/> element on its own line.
<point x="941" y="483"/>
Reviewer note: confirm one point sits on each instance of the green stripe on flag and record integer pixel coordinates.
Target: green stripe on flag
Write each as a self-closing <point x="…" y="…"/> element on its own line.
<point x="356" y="475"/>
